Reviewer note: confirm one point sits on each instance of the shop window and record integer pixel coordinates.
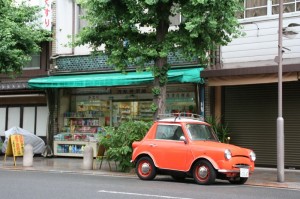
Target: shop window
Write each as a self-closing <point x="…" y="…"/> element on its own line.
<point x="179" y="102"/>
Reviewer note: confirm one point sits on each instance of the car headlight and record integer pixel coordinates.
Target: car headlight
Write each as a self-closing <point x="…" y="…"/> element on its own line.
<point x="227" y="154"/>
<point x="252" y="156"/>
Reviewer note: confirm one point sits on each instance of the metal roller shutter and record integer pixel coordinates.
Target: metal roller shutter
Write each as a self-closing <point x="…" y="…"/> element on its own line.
<point x="251" y="113"/>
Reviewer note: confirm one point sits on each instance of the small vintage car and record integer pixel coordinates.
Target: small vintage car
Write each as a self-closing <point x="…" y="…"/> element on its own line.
<point x="188" y="147"/>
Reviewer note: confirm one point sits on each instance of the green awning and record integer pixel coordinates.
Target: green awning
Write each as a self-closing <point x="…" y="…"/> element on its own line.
<point x="186" y="75"/>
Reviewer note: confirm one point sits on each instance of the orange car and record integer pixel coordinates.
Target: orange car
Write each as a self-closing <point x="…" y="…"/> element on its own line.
<point x="188" y="147"/>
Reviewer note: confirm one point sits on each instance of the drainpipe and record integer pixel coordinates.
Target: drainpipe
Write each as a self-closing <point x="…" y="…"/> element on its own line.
<point x="73" y="24"/>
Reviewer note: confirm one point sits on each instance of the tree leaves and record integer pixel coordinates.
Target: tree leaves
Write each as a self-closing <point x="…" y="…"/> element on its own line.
<point x="118" y="141"/>
<point x="147" y="27"/>
<point x="20" y="35"/>
<point x="204" y="22"/>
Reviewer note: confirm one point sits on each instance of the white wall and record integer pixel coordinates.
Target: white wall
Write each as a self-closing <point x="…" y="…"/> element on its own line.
<point x="42" y="120"/>
<point x="2" y="120"/>
<point x="28" y="118"/>
<point x="259" y="46"/>
<point x="66" y="18"/>
<point x="13" y="117"/>
<point x="64" y="22"/>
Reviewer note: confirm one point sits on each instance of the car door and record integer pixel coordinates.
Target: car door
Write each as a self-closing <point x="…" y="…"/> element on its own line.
<point x="168" y="150"/>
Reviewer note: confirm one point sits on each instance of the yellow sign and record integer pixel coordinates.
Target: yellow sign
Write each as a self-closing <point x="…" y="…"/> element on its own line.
<point x="15" y="147"/>
<point x="17" y="142"/>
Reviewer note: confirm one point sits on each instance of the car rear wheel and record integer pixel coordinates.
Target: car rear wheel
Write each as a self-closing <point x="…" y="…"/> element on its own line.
<point x="238" y="180"/>
<point x="145" y="169"/>
<point x="204" y="173"/>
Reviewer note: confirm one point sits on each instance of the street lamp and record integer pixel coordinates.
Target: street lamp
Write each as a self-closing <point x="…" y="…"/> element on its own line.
<point x="290" y="33"/>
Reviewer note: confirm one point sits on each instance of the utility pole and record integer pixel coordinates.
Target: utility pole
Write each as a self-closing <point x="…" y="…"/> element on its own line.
<point x="280" y="120"/>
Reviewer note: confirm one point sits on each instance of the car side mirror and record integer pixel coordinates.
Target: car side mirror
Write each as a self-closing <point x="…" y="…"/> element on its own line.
<point x="182" y="138"/>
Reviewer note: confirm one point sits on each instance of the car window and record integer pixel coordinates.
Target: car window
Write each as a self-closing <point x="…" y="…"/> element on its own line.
<point x="169" y="132"/>
<point x="201" y="132"/>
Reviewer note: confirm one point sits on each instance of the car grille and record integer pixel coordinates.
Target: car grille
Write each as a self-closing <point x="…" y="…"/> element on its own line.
<point x="241" y="166"/>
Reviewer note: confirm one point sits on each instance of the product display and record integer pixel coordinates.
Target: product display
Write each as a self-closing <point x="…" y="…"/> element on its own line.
<point x="72" y="144"/>
<point x="86" y="116"/>
<point x="80" y="129"/>
<point x="137" y="110"/>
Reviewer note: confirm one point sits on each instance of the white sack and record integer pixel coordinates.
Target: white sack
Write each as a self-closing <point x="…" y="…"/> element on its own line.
<point x="29" y="138"/>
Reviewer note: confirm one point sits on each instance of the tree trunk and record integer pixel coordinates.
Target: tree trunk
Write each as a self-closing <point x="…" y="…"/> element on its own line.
<point x="159" y="100"/>
<point x="160" y="65"/>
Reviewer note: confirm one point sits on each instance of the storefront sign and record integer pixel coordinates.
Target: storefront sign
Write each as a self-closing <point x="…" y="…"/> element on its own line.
<point x="46" y="12"/>
<point x="15" y="147"/>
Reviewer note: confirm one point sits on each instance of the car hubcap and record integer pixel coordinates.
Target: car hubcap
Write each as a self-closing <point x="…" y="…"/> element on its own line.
<point x="145" y="168"/>
<point x="202" y="172"/>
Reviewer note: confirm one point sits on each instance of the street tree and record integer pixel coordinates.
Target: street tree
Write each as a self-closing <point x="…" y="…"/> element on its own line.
<point x="20" y="35"/>
<point x="139" y="33"/>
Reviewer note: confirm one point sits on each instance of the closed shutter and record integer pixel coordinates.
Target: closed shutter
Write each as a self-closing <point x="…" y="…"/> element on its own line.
<point x="251" y="112"/>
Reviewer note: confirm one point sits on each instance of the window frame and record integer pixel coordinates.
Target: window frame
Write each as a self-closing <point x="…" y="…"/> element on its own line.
<point x="269" y="7"/>
<point x="172" y="127"/>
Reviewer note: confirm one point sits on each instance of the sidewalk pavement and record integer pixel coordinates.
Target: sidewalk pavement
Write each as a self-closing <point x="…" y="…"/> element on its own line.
<point x="261" y="177"/>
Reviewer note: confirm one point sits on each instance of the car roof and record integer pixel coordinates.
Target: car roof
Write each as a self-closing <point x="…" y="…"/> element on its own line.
<point x="180" y="117"/>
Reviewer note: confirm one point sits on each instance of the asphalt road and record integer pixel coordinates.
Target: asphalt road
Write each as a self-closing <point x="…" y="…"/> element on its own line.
<point x="47" y="185"/>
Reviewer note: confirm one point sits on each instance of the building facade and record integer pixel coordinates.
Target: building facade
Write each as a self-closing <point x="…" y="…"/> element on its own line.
<point x="85" y="94"/>
<point x="21" y="106"/>
<point x="242" y="85"/>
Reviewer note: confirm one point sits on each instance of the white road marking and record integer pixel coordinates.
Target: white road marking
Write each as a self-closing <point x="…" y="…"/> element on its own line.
<point x="140" y="194"/>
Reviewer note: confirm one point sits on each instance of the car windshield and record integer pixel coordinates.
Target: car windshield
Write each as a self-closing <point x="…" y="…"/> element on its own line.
<point x="201" y="132"/>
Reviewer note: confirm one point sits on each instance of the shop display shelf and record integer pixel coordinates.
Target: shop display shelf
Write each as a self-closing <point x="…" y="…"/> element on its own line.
<point x="62" y="148"/>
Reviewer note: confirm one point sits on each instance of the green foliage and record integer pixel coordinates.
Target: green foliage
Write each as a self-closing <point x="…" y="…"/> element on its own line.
<point x="206" y="24"/>
<point x="153" y="107"/>
<point x="20" y="35"/>
<point x="118" y="141"/>
<point x="220" y="129"/>
<point x="145" y="27"/>
<point x="155" y="90"/>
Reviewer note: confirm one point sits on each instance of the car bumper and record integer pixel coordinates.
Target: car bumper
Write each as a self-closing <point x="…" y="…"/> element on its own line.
<point x="233" y="167"/>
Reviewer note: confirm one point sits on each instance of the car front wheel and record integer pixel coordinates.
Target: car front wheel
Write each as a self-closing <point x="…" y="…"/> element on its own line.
<point x="145" y="169"/>
<point x="204" y="173"/>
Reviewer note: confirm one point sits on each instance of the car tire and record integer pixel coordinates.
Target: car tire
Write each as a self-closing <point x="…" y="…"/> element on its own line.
<point x="145" y="169"/>
<point x="238" y="180"/>
<point x="204" y="173"/>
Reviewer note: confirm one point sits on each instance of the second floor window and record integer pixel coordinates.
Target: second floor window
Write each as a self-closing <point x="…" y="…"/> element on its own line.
<point x="35" y="62"/>
<point x="257" y="8"/>
<point x="81" y="22"/>
<point x="288" y="6"/>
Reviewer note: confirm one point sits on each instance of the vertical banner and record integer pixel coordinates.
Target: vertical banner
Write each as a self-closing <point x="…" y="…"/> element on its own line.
<point x="46" y="12"/>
